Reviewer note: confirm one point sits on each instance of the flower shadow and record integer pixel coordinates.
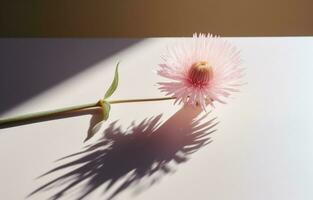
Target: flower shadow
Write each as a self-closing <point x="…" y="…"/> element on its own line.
<point x="139" y="156"/>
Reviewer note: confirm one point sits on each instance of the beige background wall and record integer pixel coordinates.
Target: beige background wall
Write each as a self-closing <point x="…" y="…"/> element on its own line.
<point x="141" y="18"/>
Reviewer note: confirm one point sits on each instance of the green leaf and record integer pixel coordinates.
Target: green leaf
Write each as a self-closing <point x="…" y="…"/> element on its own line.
<point x="106" y="107"/>
<point x="114" y="84"/>
<point x="93" y="129"/>
<point x="97" y="121"/>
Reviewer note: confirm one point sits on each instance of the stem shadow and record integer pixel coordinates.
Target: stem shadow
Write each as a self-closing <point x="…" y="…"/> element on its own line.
<point x="136" y="158"/>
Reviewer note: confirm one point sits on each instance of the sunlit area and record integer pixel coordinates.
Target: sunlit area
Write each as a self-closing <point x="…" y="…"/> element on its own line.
<point x="145" y="101"/>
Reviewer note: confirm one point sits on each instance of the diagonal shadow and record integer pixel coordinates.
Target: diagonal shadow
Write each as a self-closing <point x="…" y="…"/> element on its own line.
<point x="30" y="66"/>
<point x="141" y="155"/>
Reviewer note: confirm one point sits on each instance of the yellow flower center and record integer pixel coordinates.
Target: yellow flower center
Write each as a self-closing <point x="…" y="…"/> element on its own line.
<point x="200" y="74"/>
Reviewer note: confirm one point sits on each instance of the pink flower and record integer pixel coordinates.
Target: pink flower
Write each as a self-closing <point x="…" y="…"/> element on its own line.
<point x="201" y="70"/>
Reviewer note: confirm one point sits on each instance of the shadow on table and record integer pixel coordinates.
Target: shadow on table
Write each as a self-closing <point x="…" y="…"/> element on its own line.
<point x="31" y="66"/>
<point x="139" y="156"/>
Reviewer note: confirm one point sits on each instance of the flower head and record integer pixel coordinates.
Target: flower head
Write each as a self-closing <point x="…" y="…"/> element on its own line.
<point x="202" y="70"/>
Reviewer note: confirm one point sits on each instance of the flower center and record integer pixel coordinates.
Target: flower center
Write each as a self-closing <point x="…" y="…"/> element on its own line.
<point x="200" y="74"/>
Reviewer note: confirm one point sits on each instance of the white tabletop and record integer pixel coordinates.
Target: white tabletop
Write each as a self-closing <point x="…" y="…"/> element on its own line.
<point x="262" y="147"/>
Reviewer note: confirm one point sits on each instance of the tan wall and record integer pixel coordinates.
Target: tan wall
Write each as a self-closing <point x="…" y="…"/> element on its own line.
<point x="138" y="18"/>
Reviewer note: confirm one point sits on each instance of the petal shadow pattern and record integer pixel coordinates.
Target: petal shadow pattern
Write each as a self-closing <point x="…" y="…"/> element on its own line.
<point x="139" y="156"/>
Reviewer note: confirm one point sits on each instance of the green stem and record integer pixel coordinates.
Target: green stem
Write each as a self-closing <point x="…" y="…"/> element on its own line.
<point x="39" y="115"/>
<point x="140" y="100"/>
